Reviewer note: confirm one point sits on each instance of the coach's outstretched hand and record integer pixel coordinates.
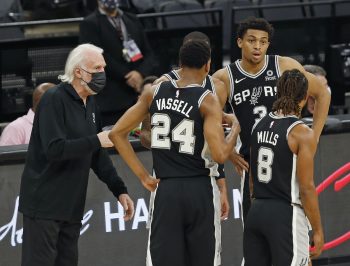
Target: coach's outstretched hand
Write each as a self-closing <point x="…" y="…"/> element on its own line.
<point x="128" y="206"/>
<point x="104" y="139"/>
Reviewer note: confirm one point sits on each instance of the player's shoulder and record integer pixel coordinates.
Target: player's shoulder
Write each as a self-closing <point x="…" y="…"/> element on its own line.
<point x="288" y="63"/>
<point x="302" y="133"/>
<point x="150" y="91"/>
<point x="161" y="79"/>
<point x="221" y="74"/>
<point x="217" y="82"/>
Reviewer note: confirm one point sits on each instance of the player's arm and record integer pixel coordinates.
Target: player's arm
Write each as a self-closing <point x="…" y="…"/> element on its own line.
<point x="145" y="137"/>
<point x="225" y="206"/>
<point x="222" y="75"/>
<point x="221" y="91"/>
<point x="220" y="147"/>
<point x="302" y="142"/>
<point x="316" y="89"/>
<point x="120" y="132"/>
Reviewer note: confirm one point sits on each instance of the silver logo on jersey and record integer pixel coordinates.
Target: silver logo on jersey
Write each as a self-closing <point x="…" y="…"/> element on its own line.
<point x="239" y="80"/>
<point x="255" y="95"/>
<point x="177" y="94"/>
<point x="270" y="76"/>
<point x="93" y="118"/>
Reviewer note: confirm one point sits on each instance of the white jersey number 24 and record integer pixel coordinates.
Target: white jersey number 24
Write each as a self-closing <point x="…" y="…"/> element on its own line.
<point x="182" y="133"/>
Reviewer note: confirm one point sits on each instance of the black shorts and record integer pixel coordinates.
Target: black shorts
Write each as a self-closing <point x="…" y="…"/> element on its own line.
<point x="185" y="223"/>
<point x="275" y="233"/>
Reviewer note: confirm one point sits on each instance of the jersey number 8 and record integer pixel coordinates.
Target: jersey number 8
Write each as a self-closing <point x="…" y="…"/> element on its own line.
<point x="265" y="160"/>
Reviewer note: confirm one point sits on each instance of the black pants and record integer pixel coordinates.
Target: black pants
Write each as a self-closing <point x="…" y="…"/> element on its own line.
<point x="184" y="231"/>
<point x="275" y="233"/>
<point x="49" y="242"/>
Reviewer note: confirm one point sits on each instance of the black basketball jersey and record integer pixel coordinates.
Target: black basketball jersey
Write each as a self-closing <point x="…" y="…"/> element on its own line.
<point x="207" y="83"/>
<point x="172" y="75"/>
<point x="273" y="164"/>
<point x="251" y="96"/>
<point x="178" y="144"/>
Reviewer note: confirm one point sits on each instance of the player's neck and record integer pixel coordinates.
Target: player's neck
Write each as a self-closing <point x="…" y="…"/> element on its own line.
<point x="251" y="67"/>
<point x="190" y="77"/>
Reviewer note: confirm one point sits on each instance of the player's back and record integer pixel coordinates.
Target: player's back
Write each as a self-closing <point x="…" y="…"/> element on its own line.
<point x="177" y="131"/>
<point x="273" y="165"/>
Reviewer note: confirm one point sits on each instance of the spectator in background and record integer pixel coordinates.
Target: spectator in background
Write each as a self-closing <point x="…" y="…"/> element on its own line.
<point x="53" y="9"/>
<point x="127" y="53"/>
<point x="18" y="132"/>
<point x="320" y="73"/>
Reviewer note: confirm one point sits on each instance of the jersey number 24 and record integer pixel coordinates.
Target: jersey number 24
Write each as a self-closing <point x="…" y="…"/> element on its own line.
<point x="182" y="133"/>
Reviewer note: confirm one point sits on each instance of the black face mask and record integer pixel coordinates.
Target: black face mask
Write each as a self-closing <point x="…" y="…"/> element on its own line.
<point x="98" y="81"/>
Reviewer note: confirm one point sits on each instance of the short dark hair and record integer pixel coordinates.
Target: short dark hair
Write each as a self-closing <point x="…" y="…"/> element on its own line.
<point x="256" y="24"/>
<point x="291" y="90"/>
<point x="316" y="70"/>
<point x="196" y="35"/>
<point x="194" y="54"/>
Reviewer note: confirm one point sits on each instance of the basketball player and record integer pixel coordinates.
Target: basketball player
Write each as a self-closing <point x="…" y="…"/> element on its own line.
<point x="175" y="74"/>
<point x="210" y="84"/>
<point x="185" y="119"/>
<point x="284" y="196"/>
<point x="251" y="86"/>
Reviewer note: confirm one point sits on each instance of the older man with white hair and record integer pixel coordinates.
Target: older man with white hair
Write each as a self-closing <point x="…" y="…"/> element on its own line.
<point x="64" y="145"/>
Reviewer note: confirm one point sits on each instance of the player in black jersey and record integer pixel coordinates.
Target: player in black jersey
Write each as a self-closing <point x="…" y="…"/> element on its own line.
<point x="214" y="86"/>
<point x="185" y="119"/>
<point x="175" y="74"/>
<point x="284" y="197"/>
<point x="251" y="89"/>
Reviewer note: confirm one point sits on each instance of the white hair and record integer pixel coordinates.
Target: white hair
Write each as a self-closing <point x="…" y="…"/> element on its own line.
<point x="77" y="58"/>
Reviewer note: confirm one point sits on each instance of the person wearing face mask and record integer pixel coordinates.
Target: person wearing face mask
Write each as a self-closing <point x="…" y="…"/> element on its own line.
<point x="65" y="144"/>
<point x="127" y="53"/>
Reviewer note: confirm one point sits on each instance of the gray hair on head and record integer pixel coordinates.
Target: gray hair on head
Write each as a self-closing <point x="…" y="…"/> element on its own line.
<point x="316" y="70"/>
<point x="76" y="58"/>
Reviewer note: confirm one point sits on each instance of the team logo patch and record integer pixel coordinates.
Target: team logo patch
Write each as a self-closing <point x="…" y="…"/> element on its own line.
<point x="270" y="75"/>
<point x="255" y="95"/>
<point x="271" y="124"/>
<point x="177" y="94"/>
<point x="93" y="118"/>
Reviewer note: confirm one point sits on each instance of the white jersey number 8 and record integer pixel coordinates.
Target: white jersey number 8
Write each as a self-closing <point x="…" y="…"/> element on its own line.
<point x="265" y="160"/>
